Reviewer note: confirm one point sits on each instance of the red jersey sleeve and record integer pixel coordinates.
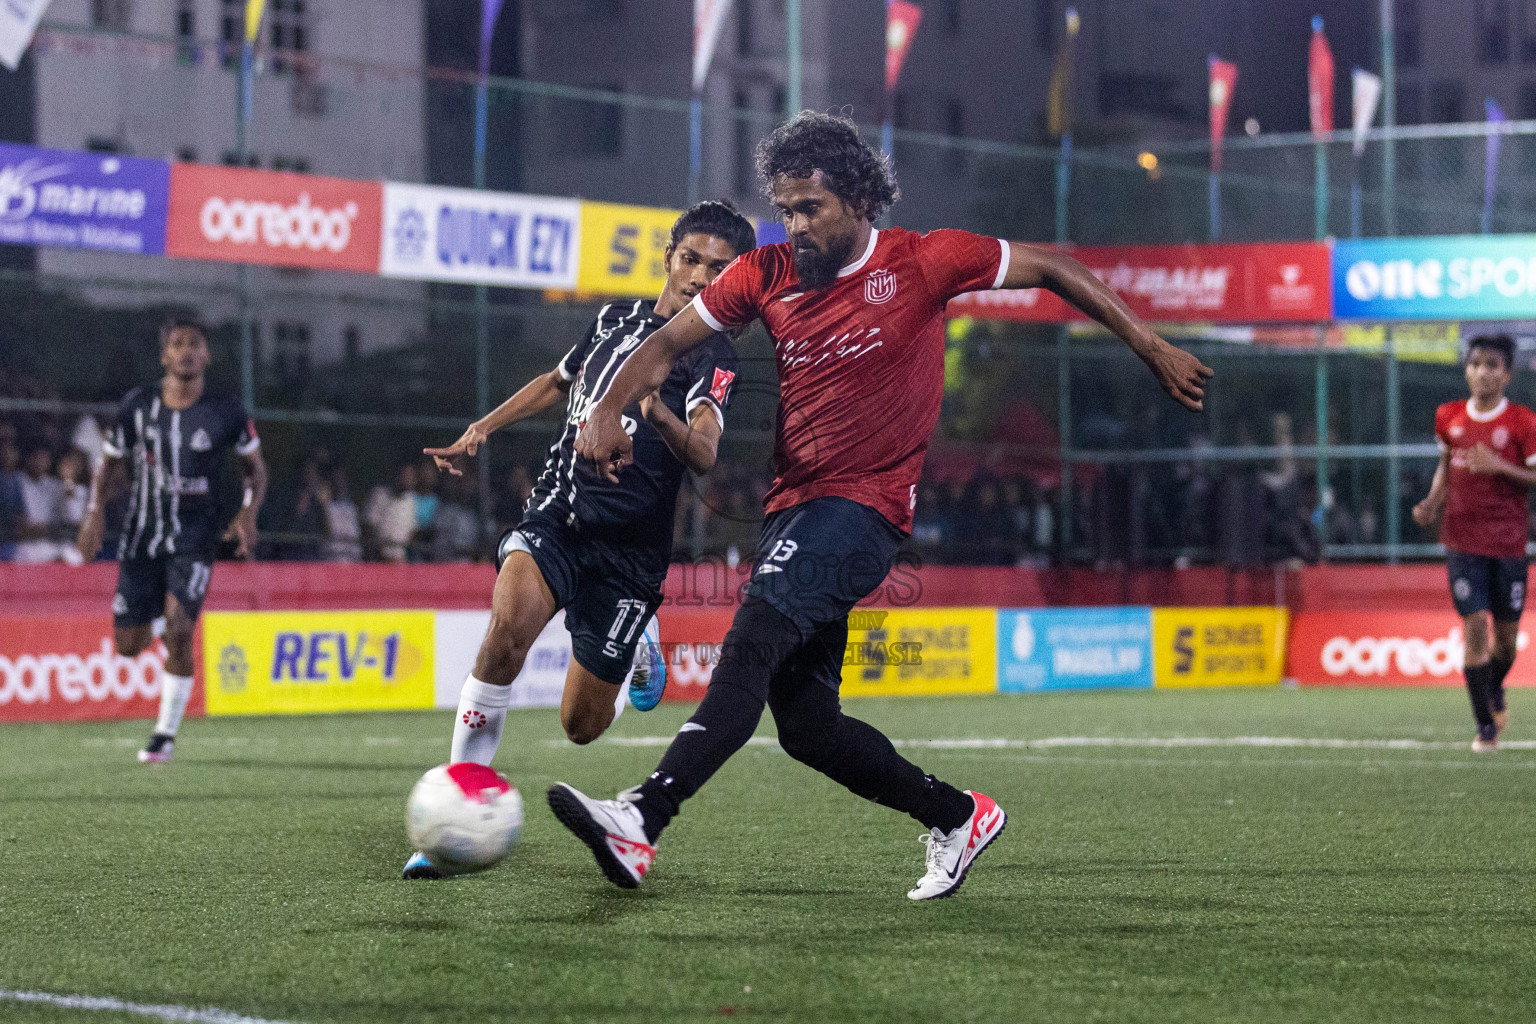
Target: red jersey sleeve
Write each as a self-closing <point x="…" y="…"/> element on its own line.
<point x="955" y="262"/>
<point x="1442" y="425"/>
<point x="733" y="298"/>
<point x="1527" y="436"/>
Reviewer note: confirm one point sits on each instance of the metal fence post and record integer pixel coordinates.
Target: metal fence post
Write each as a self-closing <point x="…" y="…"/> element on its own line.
<point x="1394" y="457"/>
<point x="1320" y="516"/>
<point x="1388" y="120"/>
<point x="1064" y="428"/>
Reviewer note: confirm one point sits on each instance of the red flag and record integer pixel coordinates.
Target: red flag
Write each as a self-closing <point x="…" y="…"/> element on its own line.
<point x="901" y="21"/>
<point x="1320" y="81"/>
<point x="1223" y="81"/>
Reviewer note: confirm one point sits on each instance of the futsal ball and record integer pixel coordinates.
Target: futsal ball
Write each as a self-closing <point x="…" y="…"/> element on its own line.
<point x="464" y="817"/>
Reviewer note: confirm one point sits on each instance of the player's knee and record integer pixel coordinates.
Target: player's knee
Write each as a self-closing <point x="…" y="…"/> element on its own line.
<point x="131" y="643"/>
<point x="805" y="734"/>
<point x="582" y="725"/>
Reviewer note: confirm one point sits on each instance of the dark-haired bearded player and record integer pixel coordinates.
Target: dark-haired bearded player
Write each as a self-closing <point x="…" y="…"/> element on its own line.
<point x="856" y="316"/>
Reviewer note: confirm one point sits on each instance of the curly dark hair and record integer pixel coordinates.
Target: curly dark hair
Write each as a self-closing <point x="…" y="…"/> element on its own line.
<point x="719" y="218"/>
<point x="850" y="169"/>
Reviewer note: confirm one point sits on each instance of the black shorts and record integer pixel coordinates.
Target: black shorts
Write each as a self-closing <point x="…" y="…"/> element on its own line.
<point x="816" y="560"/>
<point x="142" y="584"/>
<point x="608" y="588"/>
<point x="1485" y="583"/>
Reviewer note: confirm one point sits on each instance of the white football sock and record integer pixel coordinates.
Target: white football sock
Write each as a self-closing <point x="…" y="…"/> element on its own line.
<point x="477" y="729"/>
<point x="175" y="691"/>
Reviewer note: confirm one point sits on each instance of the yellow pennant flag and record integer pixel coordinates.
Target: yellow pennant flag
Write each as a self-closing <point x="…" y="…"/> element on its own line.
<point x="254" y="9"/>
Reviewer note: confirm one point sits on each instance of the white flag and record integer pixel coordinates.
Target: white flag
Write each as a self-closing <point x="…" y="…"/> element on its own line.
<point x="18" y="20"/>
<point x="708" y="16"/>
<point x="1367" y="93"/>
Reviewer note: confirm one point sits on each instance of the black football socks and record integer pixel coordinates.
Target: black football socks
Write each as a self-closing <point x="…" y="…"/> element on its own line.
<point x="1501" y="667"/>
<point x="1479" y="686"/>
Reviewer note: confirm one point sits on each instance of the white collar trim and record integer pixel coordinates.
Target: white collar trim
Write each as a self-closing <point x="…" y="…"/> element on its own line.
<point x="1491" y="414"/>
<point x="869" y="250"/>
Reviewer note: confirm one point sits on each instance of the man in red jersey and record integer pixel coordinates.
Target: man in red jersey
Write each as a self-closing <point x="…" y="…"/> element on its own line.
<point x="1487" y="447"/>
<point x="857" y="319"/>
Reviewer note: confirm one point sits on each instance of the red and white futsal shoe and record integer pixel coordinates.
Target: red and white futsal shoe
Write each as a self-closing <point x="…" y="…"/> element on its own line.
<point x="950" y="856"/>
<point x="612" y="829"/>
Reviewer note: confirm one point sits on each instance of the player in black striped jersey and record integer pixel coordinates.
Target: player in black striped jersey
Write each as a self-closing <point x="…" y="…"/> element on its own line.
<point x="599" y="549"/>
<point x="174" y="440"/>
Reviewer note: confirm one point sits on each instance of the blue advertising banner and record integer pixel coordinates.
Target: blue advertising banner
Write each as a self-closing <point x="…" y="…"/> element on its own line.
<point x="82" y="200"/>
<point x="1454" y="277"/>
<point x="1073" y="648"/>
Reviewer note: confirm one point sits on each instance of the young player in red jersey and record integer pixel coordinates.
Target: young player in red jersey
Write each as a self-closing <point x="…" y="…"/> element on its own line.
<point x="857" y="319"/>
<point x="1487" y="446"/>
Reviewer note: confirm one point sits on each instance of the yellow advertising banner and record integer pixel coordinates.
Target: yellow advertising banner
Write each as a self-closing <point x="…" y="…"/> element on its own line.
<point x="1218" y="646"/>
<point x="623" y="249"/>
<point x="908" y="652"/>
<point x="264" y="663"/>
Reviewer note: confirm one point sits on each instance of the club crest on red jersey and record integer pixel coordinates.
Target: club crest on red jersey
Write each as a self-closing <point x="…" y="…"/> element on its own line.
<point x="1500" y="436"/>
<point x="879" y="287"/>
<point x="721" y="386"/>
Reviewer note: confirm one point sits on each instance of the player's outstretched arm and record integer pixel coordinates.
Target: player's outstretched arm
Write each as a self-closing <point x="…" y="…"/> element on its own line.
<point x="1182" y="376"/>
<point x="533" y="398"/>
<point x="1428" y="510"/>
<point x="695" y="443"/>
<point x="106" y="482"/>
<point x="603" y="440"/>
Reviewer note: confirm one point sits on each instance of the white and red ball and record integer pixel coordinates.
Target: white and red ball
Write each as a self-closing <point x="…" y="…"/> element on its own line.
<point x="463" y="817"/>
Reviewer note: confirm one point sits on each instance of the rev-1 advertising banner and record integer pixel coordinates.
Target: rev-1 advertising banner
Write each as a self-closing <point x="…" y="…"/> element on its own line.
<point x="1466" y="277"/>
<point x="474" y="237"/>
<point x="82" y="200"/>
<point x="1248" y="283"/>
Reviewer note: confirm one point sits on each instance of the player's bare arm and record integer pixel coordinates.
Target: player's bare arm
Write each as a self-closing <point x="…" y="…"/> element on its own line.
<point x="1427" y="511"/>
<point x="533" y="398"/>
<point x="602" y="440"/>
<point x="1482" y="459"/>
<point x="695" y="443"/>
<point x="1181" y="375"/>
<point x="243" y="530"/>
<point x="106" y="483"/>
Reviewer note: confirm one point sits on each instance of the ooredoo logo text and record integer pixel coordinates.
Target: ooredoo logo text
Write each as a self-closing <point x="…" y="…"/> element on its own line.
<point x="302" y="225"/>
<point x="98" y="677"/>
<point x="1411" y="656"/>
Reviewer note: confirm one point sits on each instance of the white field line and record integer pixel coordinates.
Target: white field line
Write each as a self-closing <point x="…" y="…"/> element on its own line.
<point x="1143" y="742"/>
<point x="174" y="1014"/>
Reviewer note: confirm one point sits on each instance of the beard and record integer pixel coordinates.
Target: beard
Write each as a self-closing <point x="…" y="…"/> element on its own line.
<point x="818" y="269"/>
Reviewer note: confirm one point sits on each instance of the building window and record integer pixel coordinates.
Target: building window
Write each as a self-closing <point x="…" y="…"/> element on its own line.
<point x="744" y="138"/>
<point x="112" y="15"/>
<point x="288" y="30"/>
<point x="102" y="144"/>
<point x="1493" y="31"/>
<point x="1447" y="102"/>
<point x="588" y="128"/>
<point x="187" y="155"/>
<point x="1407" y="33"/>
<point x="231" y="31"/>
<point x="954" y="127"/>
<point x="1410" y="104"/>
<point x="1527" y="109"/>
<point x="1045" y="26"/>
<point x="744" y="40"/>
<point x="949" y="16"/>
<point x="290" y="351"/>
<point x="232" y="159"/>
<point x="1527" y="31"/>
<point x="188" y="53"/>
<point x="351" y="342"/>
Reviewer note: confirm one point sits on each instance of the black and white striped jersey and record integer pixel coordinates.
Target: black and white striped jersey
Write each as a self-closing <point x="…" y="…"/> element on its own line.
<point x="644" y="500"/>
<point x="176" y="459"/>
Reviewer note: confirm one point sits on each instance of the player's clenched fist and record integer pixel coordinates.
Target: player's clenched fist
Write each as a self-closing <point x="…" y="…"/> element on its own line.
<point x="604" y="443"/>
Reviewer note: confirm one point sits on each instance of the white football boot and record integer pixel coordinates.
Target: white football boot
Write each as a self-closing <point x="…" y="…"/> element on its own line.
<point x="612" y="829"/>
<point x="950" y="856"/>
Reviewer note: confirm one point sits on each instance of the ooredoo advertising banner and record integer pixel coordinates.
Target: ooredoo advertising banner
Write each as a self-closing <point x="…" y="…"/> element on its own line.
<point x="260" y="663"/>
<point x="82" y="200"/>
<point x="64" y="668"/>
<point x="1385" y="649"/>
<point x="1250" y="283"/>
<point x="1469" y="277"/>
<point x="475" y="237"/>
<point x="1073" y="648"/>
<point x="269" y="217"/>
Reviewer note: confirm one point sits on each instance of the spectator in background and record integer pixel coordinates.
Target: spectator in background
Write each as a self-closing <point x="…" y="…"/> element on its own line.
<point x="512" y="499"/>
<point x="10" y="491"/>
<point x="455" y="526"/>
<point x="392" y="513"/>
<point x="41" y="496"/>
<point x="73" y="473"/>
<point x="344" y="531"/>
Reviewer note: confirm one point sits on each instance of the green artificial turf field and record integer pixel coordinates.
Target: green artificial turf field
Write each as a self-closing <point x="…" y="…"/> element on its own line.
<point x="259" y="873"/>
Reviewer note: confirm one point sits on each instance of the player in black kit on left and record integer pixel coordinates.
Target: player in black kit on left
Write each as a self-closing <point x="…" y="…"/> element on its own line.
<point x="174" y="441"/>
